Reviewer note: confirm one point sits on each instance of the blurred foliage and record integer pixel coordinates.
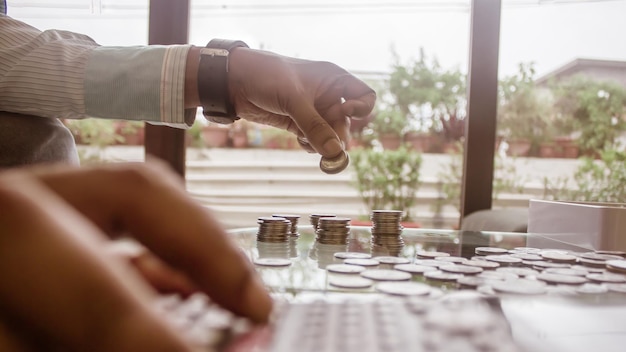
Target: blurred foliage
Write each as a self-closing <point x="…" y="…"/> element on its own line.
<point x="595" y="108"/>
<point x="387" y="179"/>
<point x="602" y="180"/>
<point x="525" y="112"/>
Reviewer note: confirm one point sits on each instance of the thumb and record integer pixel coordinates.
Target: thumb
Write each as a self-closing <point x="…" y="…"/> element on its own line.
<point x="316" y="129"/>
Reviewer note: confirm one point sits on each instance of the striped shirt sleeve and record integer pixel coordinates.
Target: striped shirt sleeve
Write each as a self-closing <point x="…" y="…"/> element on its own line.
<point x="67" y="75"/>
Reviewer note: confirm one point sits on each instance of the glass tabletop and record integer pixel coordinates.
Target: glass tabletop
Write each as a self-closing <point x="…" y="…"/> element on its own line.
<point x="567" y="317"/>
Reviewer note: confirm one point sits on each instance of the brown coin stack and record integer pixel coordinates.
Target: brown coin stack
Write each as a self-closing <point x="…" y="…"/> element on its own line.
<point x="273" y="229"/>
<point x="315" y="218"/>
<point x="333" y="230"/>
<point x="387" y="231"/>
<point x="293" y="229"/>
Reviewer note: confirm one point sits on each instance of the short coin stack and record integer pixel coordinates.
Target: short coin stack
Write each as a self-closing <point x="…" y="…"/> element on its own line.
<point x="273" y="229"/>
<point x="333" y="230"/>
<point x="387" y="231"/>
<point x="293" y="219"/>
<point x="315" y="218"/>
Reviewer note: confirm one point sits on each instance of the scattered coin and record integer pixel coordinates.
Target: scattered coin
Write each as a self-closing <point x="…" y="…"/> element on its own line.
<point x="452" y="259"/>
<point x="527" y="256"/>
<point x="471" y="281"/>
<point x="431" y="255"/>
<point x="594" y="263"/>
<point x="461" y="269"/>
<point x="567" y="271"/>
<point x="600" y="256"/>
<point x="490" y="250"/>
<point x="403" y="288"/>
<point x="482" y="264"/>
<point x="526" y="250"/>
<point x="350" y="282"/>
<point x="518" y="271"/>
<point x="272" y="262"/>
<point x="361" y="262"/>
<point x="616" y="253"/>
<point x="352" y="255"/>
<point x="503" y="259"/>
<point x="495" y="275"/>
<point x="431" y="262"/>
<point x="592" y="289"/>
<point x="541" y="264"/>
<point x="621" y="288"/>
<point x="441" y="276"/>
<point x="561" y="279"/>
<point x="386" y="275"/>
<point x="414" y="268"/>
<point x="616" y="265"/>
<point x="558" y="257"/>
<point x="520" y="286"/>
<point x="392" y="260"/>
<point x="345" y="269"/>
<point x="608" y="278"/>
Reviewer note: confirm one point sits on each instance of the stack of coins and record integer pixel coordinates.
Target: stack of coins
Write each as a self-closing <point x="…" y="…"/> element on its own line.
<point x="315" y="218"/>
<point x="387" y="231"/>
<point x="273" y="229"/>
<point x="333" y="230"/>
<point x="293" y="229"/>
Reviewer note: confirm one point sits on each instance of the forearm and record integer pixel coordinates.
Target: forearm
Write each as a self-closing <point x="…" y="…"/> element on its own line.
<point x="67" y="75"/>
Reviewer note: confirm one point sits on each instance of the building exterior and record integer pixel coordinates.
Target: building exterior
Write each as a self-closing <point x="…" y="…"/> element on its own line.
<point x="604" y="70"/>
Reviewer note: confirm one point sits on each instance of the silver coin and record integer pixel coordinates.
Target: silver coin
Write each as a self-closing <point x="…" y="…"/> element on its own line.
<point x="335" y="164"/>
<point x="361" y="262"/>
<point x="518" y="271"/>
<point x="431" y="255"/>
<point x="620" y="288"/>
<point x="608" y="278"/>
<point x="490" y="250"/>
<point x="593" y="263"/>
<point x="350" y="282"/>
<point x="471" y="281"/>
<point x="431" y="262"/>
<point x="345" y="269"/>
<point x="527" y="256"/>
<point x="386" y="275"/>
<point x="592" y="289"/>
<point x="414" y="268"/>
<point x="495" y="275"/>
<point x="600" y="256"/>
<point x="527" y="250"/>
<point x="503" y="259"/>
<point x="441" y="276"/>
<point x="272" y="262"/>
<point x="482" y="264"/>
<point x="352" y="255"/>
<point x="561" y="279"/>
<point x="452" y="259"/>
<point x="558" y="257"/>
<point x="403" y="288"/>
<point x="391" y="260"/>
<point x="616" y="265"/>
<point x="566" y="271"/>
<point x="520" y="286"/>
<point x="615" y="253"/>
<point x="540" y="264"/>
<point x="461" y="269"/>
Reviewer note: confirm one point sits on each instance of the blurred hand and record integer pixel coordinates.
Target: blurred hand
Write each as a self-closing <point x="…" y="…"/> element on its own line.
<point x="60" y="286"/>
<point x="312" y="99"/>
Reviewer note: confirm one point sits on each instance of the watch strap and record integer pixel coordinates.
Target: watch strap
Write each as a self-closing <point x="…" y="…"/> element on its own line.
<point x="213" y="81"/>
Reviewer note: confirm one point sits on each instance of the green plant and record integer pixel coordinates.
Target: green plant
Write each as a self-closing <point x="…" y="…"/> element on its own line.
<point x="525" y="113"/>
<point x="387" y="179"/>
<point x="97" y="133"/>
<point x="389" y="121"/>
<point x="596" y="109"/>
<point x="194" y="134"/>
<point x="602" y="180"/>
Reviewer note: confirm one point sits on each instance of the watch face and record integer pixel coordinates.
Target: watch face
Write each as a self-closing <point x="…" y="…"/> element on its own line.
<point x="224" y="120"/>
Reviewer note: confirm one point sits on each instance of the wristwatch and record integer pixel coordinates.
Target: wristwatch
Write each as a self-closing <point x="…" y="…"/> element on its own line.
<point x="213" y="81"/>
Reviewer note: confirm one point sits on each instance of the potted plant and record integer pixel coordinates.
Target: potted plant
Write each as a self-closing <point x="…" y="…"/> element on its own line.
<point x="387" y="179"/>
<point x="132" y="132"/>
<point x="389" y="125"/>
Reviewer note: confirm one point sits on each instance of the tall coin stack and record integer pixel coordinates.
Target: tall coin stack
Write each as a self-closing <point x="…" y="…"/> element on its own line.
<point x="293" y="219"/>
<point x="333" y="230"/>
<point x="273" y="237"/>
<point x="387" y="232"/>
